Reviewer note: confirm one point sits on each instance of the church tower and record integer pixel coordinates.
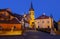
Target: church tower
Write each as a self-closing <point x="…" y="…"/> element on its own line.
<point x="31" y="13"/>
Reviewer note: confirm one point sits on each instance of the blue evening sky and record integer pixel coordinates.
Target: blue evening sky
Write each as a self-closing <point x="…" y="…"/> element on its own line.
<point x="40" y="6"/>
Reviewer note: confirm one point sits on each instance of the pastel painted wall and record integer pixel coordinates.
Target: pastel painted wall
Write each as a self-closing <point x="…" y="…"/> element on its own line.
<point x="43" y="23"/>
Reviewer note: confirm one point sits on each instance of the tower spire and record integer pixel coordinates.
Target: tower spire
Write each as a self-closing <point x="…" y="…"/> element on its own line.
<point x="31" y="8"/>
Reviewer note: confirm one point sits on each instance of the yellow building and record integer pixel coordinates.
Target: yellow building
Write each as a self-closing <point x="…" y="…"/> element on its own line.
<point x="30" y="17"/>
<point x="44" y="21"/>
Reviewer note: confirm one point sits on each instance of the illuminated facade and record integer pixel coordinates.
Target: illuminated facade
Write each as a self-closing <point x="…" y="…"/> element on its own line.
<point x="43" y="21"/>
<point x="8" y="20"/>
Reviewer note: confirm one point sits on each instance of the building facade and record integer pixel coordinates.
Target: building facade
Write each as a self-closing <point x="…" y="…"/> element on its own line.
<point x="8" y="20"/>
<point x="44" y="21"/>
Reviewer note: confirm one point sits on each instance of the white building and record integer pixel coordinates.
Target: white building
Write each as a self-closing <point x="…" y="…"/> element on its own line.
<point x="44" y="21"/>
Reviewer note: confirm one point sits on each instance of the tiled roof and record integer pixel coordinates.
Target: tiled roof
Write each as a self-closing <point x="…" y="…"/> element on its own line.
<point x="15" y="15"/>
<point x="7" y="11"/>
<point x="43" y="17"/>
<point x="18" y="16"/>
<point x="13" y="21"/>
<point x="2" y="16"/>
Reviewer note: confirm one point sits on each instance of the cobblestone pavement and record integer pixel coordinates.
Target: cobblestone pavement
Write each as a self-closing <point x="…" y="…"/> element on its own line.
<point x="32" y="35"/>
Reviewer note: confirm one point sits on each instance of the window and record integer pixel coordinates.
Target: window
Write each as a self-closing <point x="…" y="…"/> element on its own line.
<point x="14" y="27"/>
<point x="47" y="21"/>
<point x="42" y="21"/>
<point x="38" y="22"/>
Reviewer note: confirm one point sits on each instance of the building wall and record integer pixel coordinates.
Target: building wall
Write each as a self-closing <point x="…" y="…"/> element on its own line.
<point x="43" y="23"/>
<point x="7" y="16"/>
<point x="31" y="18"/>
<point x="9" y="26"/>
